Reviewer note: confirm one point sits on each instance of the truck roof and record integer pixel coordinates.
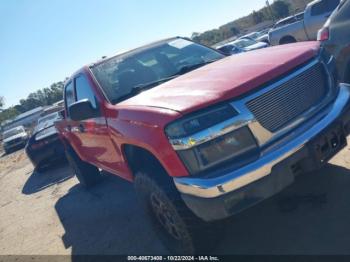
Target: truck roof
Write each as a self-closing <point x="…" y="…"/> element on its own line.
<point x="123" y="53"/>
<point x="134" y="51"/>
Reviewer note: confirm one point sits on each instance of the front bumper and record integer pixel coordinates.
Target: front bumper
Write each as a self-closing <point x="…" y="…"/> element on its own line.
<point x="12" y="146"/>
<point x="224" y="195"/>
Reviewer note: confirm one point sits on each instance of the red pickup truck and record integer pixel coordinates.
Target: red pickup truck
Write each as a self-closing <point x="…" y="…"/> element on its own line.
<point x="203" y="136"/>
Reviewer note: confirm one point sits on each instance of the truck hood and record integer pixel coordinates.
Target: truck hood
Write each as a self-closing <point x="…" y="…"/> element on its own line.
<point x="225" y="79"/>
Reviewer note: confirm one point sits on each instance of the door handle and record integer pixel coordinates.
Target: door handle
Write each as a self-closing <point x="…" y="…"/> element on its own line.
<point x="81" y="128"/>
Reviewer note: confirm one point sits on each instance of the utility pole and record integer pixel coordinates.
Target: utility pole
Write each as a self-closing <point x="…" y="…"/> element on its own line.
<point x="269" y="7"/>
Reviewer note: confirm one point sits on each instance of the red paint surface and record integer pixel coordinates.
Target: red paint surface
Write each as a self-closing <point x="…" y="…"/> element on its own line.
<point x="140" y="121"/>
<point x="226" y="79"/>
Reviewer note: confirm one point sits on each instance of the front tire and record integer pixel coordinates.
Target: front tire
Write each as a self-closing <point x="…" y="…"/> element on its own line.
<point x="178" y="228"/>
<point x="287" y="40"/>
<point x="87" y="174"/>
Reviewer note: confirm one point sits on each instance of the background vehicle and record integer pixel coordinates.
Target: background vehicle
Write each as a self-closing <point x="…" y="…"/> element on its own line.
<point x="14" y="138"/>
<point x="335" y="36"/>
<point x="261" y="36"/>
<point x="298" y="28"/>
<point x="241" y="45"/>
<point x="288" y="20"/>
<point x="201" y="135"/>
<point x="252" y="35"/>
<point x="44" y="146"/>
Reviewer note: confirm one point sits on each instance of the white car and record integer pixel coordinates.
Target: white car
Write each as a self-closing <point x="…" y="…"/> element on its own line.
<point x="241" y="45"/>
<point x="13" y="138"/>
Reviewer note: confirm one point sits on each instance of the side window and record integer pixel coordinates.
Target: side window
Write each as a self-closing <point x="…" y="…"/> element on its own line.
<point x="84" y="91"/>
<point x="324" y="6"/>
<point x="332" y="5"/>
<point x="319" y="8"/>
<point x="70" y="98"/>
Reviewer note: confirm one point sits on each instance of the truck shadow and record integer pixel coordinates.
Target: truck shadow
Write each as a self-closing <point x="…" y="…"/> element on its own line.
<point x="106" y="220"/>
<point x="309" y="217"/>
<point x="40" y="180"/>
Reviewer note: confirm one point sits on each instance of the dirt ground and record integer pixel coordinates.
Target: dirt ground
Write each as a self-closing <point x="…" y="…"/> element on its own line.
<point x="49" y="213"/>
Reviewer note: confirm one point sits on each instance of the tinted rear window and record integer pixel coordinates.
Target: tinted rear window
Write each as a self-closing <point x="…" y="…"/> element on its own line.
<point x="323" y="7"/>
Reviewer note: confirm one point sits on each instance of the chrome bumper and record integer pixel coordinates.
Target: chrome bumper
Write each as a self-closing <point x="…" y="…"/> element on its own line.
<point x="218" y="186"/>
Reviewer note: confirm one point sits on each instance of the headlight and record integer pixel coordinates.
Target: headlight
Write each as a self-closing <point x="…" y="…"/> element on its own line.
<point x="199" y="121"/>
<point x="235" y="147"/>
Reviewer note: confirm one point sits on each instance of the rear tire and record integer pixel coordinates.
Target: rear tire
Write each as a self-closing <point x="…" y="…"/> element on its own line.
<point x="178" y="228"/>
<point x="87" y="174"/>
<point x="287" y="40"/>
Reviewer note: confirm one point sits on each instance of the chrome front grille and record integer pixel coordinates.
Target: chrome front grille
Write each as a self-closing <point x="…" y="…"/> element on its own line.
<point x="280" y="106"/>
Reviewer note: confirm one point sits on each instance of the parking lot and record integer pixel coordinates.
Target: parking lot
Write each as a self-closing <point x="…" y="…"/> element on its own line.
<point x="49" y="213"/>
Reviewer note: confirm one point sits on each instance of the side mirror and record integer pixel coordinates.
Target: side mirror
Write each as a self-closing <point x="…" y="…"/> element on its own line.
<point x="82" y="110"/>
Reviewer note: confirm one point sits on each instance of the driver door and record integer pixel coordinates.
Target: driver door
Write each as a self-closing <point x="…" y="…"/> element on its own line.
<point x="90" y="138"/>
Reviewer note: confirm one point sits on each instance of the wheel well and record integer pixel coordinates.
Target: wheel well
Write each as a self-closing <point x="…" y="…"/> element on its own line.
<point x="140" y="159"/>
<point x="287" y="39"/>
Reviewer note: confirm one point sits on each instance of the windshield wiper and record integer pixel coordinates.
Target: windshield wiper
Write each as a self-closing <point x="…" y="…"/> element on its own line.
<point x="187" y="68"/>
<point x="142" y="87"/>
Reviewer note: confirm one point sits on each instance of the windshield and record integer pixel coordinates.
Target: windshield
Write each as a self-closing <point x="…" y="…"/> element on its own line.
<point x="121" y="75"/>
<point x="13" y="132"/>
<point x="242" y="43"/>
<point x="50" y="117"/>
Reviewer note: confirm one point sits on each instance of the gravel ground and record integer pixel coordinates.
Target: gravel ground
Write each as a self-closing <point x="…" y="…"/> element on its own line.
<point x="49" y="213"/>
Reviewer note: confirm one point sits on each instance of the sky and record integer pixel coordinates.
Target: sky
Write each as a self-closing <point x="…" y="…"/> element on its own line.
<point x="44" y="41"/>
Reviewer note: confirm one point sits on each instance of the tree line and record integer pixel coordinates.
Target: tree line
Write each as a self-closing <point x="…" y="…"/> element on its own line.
<point x="277" y="10"/>
<point x="52" y="94"/>
<point x="43" y="97"/>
